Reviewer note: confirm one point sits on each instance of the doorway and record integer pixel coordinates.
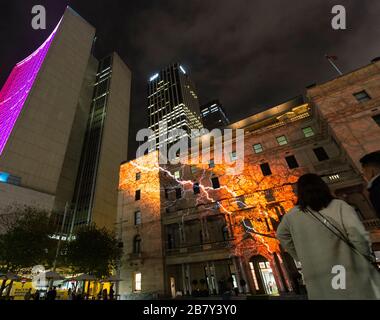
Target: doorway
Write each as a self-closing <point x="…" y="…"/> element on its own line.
<point x="263" y="276"/>
<point x="172" y="287"/>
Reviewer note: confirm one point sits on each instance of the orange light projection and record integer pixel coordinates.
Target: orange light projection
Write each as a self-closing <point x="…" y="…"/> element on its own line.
<point x="249" y="201"/>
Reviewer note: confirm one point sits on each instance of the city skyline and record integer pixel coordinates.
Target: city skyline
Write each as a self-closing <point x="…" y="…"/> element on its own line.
<point x="258" y="54"/>
<point x="203" y="150"/>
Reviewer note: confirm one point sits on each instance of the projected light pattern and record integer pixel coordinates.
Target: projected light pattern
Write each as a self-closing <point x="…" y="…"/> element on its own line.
<point x="247" y="197"/>
<point x="17" y="88"/>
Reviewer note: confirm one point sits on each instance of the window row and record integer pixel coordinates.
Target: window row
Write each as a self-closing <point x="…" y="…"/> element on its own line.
<point x="283" y="140"/>
<point x="291" y="161"/>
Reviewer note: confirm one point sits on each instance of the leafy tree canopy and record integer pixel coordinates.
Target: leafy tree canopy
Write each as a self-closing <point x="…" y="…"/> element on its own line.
<point x="94" y="251"/>
<point x="25" y="239"/>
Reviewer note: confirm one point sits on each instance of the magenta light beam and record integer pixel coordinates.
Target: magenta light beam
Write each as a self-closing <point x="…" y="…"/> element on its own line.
<point x="17" y="88"/>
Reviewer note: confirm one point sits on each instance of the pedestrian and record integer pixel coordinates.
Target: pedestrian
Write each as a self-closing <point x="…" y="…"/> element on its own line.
<point x="112" y="292"/>
<point x="324" y="234"/>
<point x="99" y="296"/>
<point x="371" y="171"/>
<point x="28" y="294"/>
<point x="243" y="283"/>
<point x="36" y="295"/>
<point x="270" y="285"/>
<point x="79" y="294"/>
<point x="69" y="294"/>
<point x="105" y="294"/>
<point x="52" y="294"/>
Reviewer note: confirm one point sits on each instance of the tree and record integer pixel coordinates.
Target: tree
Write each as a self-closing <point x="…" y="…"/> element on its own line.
<point x="93" y="251"/>
<point x="25" y="240"/>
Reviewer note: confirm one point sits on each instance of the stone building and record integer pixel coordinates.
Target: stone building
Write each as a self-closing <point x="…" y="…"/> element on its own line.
<point x="190" y="228"/>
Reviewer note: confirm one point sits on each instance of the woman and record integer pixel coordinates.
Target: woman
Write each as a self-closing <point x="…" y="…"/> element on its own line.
<point x="318" y="232"/>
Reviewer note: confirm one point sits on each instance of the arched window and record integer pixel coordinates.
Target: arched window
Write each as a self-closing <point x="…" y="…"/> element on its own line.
<point x="137" y="244"/>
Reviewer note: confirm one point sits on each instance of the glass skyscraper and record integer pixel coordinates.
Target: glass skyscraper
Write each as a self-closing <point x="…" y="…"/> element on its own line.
<point x="173" y="103"/>
<point x="214" y="116"/>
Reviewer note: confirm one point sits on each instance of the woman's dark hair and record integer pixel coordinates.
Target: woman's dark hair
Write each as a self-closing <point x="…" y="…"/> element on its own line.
<point x="313" y="192"/>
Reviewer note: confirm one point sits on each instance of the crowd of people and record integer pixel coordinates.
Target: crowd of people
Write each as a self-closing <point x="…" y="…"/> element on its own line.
<point x="78" y="294"/>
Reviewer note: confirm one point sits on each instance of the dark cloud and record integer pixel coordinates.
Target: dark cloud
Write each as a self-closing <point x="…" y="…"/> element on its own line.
<point x="250" y="54"/>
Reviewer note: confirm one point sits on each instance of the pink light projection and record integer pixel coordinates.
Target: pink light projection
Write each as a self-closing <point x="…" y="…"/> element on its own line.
<point x="17" y="88"/>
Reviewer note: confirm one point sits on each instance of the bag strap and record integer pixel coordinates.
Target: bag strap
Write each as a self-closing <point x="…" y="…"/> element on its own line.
<point x="339" y="234"/>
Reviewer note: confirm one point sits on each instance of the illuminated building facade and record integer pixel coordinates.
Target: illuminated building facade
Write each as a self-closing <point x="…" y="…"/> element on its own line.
<point x="191" y="227"/>
<point x="50" y="117"/>
<point x="214" y="116"/>
<point x="173" y="102"/>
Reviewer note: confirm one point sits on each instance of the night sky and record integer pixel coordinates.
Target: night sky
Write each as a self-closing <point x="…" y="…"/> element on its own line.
<point x="250" y="54"/>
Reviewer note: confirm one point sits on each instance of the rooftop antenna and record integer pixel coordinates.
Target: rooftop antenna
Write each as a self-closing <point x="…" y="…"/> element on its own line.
<point x="331" y="59"/>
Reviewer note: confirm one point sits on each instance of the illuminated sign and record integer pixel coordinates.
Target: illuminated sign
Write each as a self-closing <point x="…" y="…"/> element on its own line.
<point x="4" y="177"/>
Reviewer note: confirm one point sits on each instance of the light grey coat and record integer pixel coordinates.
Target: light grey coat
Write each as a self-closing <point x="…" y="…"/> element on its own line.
<point x="319" y="250"/>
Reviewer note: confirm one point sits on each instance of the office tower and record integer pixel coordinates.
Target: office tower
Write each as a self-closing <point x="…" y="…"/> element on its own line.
<point x="44" y="96"/>
<point x="214" y="116"/>
<point x="50" y="117"/>
<point x="172" y="101"/>
<point x="105" y="146"/>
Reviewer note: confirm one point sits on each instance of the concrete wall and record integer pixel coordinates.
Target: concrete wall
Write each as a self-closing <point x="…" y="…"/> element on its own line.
<point x="11" y="195"/>
<point x="114" y="145"/>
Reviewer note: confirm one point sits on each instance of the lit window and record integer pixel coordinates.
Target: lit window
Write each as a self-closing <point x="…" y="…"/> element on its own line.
<point x="282" y="140"/>
<point x="334" y="177"/>
<point x="211" y="164"/>
<point x="362" y="96"/>
<point x="137" y="218"/>
<point x="177" y="175"/>
<point x="258" y="148"/>
<point x="233" y="156"/>
<point x="308" y="132"/>
<point x="265" y="169"/>
<point x="137" y="281"/>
